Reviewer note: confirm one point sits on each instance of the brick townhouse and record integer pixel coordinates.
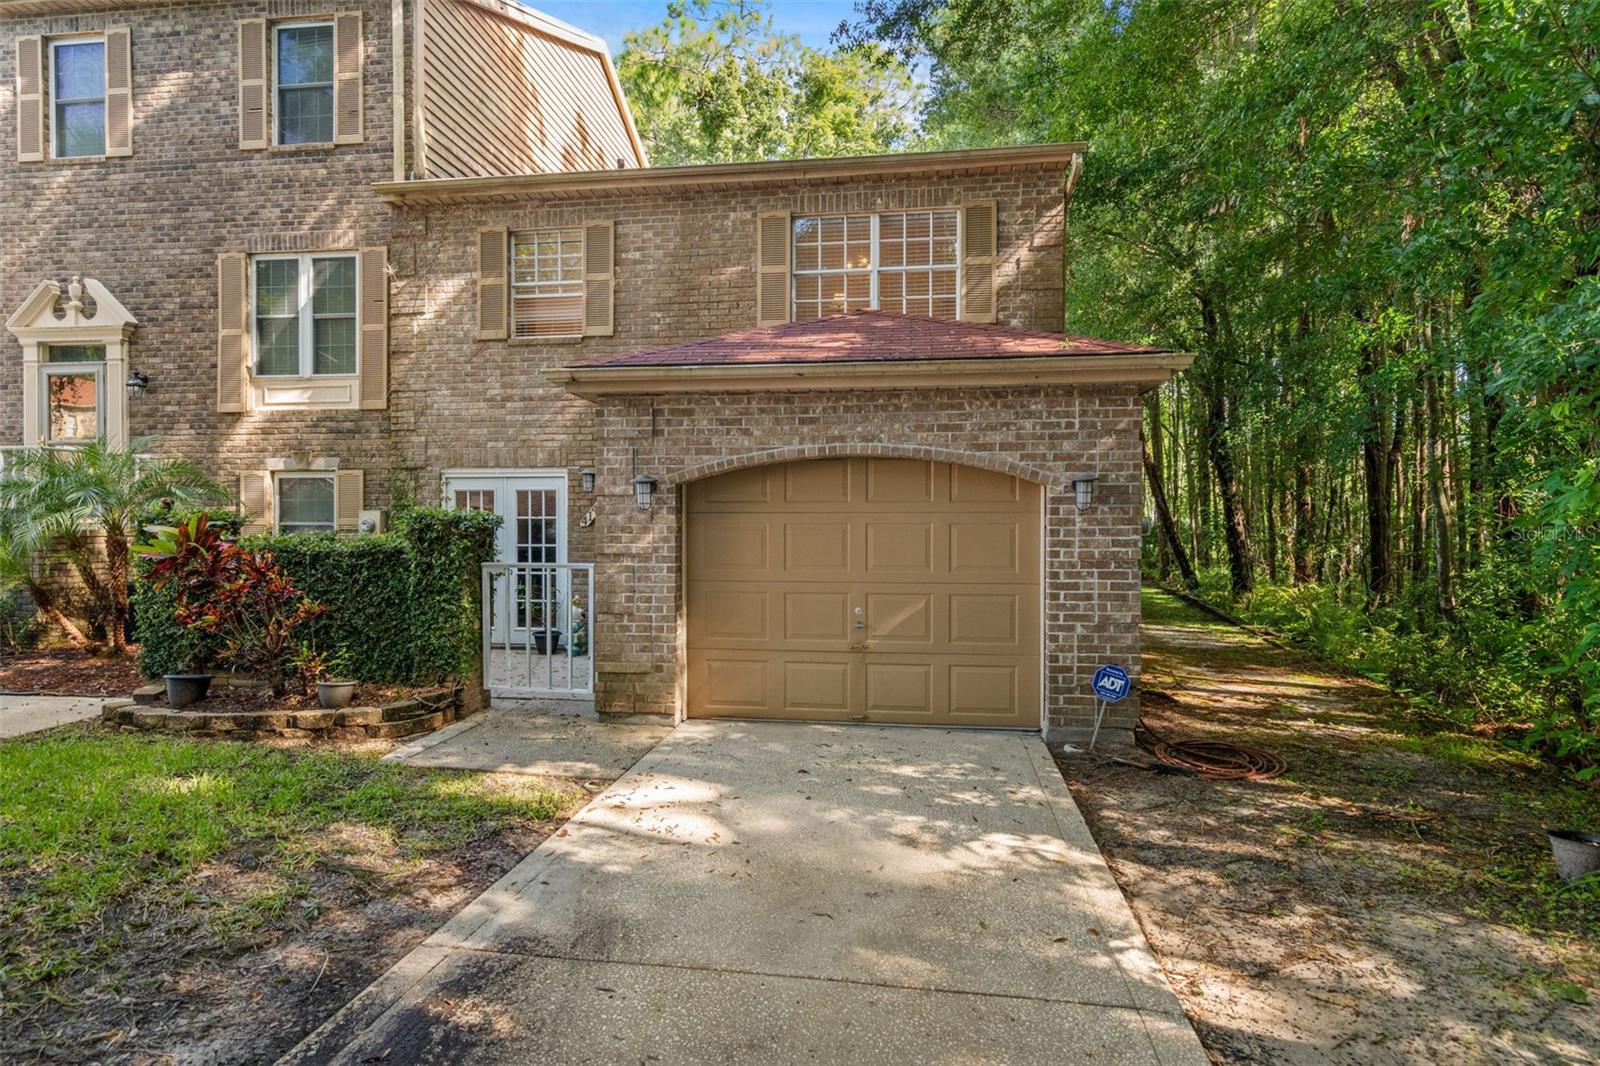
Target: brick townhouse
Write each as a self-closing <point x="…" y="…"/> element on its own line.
<point x="813" y="428"/>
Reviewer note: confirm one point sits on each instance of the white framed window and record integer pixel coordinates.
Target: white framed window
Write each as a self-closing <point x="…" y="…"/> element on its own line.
<point x="902" y="261"/>
<point x="303" y="502"/>
<point x="304" y="311"/>
<point x="547" y="283"/>
<point x="77" y="97"/>
<point x="73" y="391"/>
<point x="302" y="75"/>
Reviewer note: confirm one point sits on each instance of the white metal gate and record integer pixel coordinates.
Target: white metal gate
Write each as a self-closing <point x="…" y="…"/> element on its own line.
<point x="538" y="629"/>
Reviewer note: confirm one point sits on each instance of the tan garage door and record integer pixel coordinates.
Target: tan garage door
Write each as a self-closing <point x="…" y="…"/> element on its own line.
<point x="879" y="590"/>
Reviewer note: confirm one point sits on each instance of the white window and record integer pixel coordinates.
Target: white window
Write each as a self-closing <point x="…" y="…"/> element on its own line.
<point x="547" y="283"/>
<point x="78" y="97"/>
<point x="303" y="76"/>
<point x="305" y="315"/>
<point x="304" y="503"/>
<point x="904" y="261"/>
<point x="73" y="393"/>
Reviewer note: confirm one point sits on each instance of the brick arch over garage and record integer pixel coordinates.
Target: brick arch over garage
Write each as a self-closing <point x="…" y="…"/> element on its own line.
<point x="998" y="464"/>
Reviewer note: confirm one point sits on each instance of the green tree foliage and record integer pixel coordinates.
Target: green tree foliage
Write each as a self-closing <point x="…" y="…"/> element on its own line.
<point x="716" y="83"/>
<point x="1377" y="226"/>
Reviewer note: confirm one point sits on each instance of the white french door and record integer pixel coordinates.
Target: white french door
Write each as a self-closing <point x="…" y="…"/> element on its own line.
<point x="533" y="529"/>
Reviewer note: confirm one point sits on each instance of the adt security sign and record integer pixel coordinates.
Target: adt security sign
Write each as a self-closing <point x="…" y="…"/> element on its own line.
<point x="1111" y="683"/>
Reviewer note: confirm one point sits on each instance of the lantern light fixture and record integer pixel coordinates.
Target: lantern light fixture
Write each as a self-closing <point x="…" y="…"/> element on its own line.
<point x="138" y="382"/>
<point x="586" y="479"/>
<point x="1083" y="491"/>
<point x="644" y="488"/>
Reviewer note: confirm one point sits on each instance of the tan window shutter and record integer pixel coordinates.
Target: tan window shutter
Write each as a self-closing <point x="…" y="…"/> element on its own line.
<point x="347" y="53"/>
<point x="494" y="261"/>
<point x="255" y="501"/>
<point x="233" y="330"/>
<point x="374" y="311"/>
<point x="980" y="244"/>
<point x="772" y="269"/>
<point x="119" y="92"/>
<point x="253" y="64"/>
<point x="348" y="494"/>
<point x="30" y="99"/>
<point x="599" y="278"/>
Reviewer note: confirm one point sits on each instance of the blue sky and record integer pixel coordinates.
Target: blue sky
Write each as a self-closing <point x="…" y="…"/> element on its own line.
<point x="810" y="20"/>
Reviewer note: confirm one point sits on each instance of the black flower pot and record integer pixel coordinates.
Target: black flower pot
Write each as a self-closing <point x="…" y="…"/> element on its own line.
<point x="184" y="689"/>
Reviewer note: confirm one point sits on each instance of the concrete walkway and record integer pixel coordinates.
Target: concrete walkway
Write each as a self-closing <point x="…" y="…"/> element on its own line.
<point x="516" y="741"/>
<point x="30" y="714"/>
<point x="785" y="893"/>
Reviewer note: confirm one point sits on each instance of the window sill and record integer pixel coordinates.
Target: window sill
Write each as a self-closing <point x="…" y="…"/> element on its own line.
<point x="78" y="160"/>
<point x="533" y="342"/>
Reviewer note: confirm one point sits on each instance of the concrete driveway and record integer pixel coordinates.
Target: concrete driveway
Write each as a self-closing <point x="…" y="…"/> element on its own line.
<point x="785" y="893"/>
<point x="30" y="714"/>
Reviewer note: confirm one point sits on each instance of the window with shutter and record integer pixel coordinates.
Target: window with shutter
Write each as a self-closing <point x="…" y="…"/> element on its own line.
<point x="599" y="279"/>
<point x="772" y="269"/>
<point x="493" y="263"/>
<point x="347" y="52"/>
<point x="30" y="99"/>
<point x="901" y="261"/>
<point x="305" y="502"/>
<point x="547" y="283"/>
<point x="119" y="92"/>
<point x="77" y="97"/>
<point x="374" y="314"/>
<point x="349" y="491"/>
<point x="255" y="501"/>
<point x="253" y="63"/>
<point x="232" y="338"/>
<point x="979" y="260"/>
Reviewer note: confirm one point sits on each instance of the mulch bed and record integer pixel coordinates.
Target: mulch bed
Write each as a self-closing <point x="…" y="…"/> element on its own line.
<point x="70" y="672"/>
<point x="227" y="699"/>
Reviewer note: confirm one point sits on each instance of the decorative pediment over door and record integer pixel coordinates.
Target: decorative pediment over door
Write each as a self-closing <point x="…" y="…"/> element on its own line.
<point x="83" y="319"/>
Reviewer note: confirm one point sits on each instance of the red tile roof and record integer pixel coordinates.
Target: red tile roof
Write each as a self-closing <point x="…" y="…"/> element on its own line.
<point x="871" y="336"/>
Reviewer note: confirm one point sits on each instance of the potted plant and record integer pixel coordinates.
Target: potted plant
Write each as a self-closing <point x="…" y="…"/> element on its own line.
<point x="334" y="692"/>
<point x="186" y="556"/>
<point x="545" y="637"/>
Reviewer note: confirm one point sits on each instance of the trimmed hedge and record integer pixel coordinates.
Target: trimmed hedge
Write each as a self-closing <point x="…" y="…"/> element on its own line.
<point x="402" y="606"/>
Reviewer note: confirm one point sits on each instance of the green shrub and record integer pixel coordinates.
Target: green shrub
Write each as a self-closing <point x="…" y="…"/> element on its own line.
<point x="401" y="607"/>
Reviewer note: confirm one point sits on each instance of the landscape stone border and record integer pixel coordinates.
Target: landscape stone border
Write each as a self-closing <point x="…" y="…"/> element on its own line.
<point x="422" y="713"/>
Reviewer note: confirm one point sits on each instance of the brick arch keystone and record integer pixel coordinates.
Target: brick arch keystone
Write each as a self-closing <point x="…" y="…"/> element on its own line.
<point x="789" y="453"/>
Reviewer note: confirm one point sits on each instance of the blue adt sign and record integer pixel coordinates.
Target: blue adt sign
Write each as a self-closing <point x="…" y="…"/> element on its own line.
<point x="1111" y="683"/>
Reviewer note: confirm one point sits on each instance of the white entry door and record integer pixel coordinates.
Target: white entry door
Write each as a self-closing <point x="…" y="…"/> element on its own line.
<point x="533" y="529"/>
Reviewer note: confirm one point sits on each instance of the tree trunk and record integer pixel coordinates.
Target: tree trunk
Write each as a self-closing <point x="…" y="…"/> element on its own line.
<point x="117" y="573"/>
<point x="1443" y="519"/>
<point x="45" y="603"/>
<point x="1215" y="424"/>
<point x="1375" y="475"/>
<point x="1169" y="529"/>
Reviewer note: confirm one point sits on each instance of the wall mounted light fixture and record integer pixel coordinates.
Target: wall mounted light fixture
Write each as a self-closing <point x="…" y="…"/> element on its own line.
<point x="644" y="487"/>
<point x="586" y="479"/>
<point x="1083" y="491"/>
<point x="138" y="381"/>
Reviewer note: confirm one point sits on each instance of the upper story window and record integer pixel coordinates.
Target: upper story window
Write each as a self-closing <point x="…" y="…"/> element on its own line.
<point x="74" y="386"/>
<point x="547" y="283"/>
<point x="305" y="315"/>
<point x="303" y="74"/>
<point x="78" y="96"/>
<point x="904" y="261"/>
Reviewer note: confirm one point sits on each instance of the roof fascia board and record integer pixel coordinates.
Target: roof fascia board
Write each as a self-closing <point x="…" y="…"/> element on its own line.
<point x="445" y="189"/>
<point x="1143" y="370"/>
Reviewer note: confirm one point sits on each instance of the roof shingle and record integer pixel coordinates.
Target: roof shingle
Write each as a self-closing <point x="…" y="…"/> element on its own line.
<point x="867" y="337"/>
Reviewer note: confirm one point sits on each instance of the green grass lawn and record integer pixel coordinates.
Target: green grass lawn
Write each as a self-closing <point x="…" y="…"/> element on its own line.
<point x="99" y="829"/>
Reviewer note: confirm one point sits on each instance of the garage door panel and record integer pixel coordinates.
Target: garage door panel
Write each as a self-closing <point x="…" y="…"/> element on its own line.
<point x="989" y="548"/>
<point x="723" y="546"/>
<point x="816" y="548"/>
<point x="900" y="617"/>
<point x="987" y="691"/>
<point x="900" y="689"/>
<point x="968" y="484"/>
<point x="900" y="548"/>
<point x="985" y="618"/>
<point x="730" y="613"/>
<point x="899" y="481"/>
<point x="736" y="684"/>
<point x="809" y="616"/>
<point x="816" y="687"/>
<point x="752" y="485"/>
<point x="820" y="481"/>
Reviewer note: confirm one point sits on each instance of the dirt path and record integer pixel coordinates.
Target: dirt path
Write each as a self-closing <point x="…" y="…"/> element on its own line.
<point x="1389" y="900"/>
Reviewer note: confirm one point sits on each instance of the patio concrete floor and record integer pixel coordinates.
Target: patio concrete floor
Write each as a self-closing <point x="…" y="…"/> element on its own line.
<point x="785" y="893"/>
<point x="522" y="741"/>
